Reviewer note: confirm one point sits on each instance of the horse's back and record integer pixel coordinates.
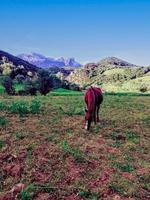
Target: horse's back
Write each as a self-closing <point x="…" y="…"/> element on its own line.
<point x="99" y="95"/>
<point x="97" y="92"/>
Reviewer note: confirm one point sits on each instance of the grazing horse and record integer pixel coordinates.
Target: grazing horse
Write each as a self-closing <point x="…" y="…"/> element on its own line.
<point x="93" y="99"/>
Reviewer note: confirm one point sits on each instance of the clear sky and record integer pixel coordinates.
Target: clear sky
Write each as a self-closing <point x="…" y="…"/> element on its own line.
<point x="85" y="29"/>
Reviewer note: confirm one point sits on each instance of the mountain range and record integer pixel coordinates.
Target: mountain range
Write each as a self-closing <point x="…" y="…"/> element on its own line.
<point x="112" y="74"/>
<point x="46" y="62"/>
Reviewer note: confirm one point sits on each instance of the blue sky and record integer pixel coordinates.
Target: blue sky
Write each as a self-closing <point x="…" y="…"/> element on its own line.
<point x="85" y="29"/>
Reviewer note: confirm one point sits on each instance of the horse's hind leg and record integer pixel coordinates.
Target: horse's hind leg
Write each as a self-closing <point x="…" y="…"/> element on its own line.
<point x="94" y="115"/>
<point x="97" y="113"/>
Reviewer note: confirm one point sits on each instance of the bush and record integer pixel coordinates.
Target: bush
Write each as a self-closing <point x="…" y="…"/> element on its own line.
<point x="22" y="93"/>
<point x="70" y="86"/>
<point x="20" y="108"/>
<point x="143" y="89"/>
<point x="31" y="87"/>
<point x="55" y="82"/>
<point x="20" y="78"/>
<point x="8" y="85"/>
<point x="45" y="82"/>
<point x="32" y="91"/>
<point x="45" y="85"/>
<point x="3" y="106"/>
<point x="35" y="106"/>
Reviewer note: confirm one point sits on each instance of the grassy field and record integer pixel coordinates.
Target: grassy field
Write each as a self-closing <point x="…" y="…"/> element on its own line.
<point x="43" y="145"/>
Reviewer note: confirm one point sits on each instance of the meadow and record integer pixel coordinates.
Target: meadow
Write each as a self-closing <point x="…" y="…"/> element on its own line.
<point x="43" y="145"/>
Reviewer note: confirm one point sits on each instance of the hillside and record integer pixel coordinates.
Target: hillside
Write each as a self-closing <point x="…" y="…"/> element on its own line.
<point x="13" y="65"/>
<point x="26" y="77"/>
<point x="113" y="74"/>
<point x="115" y="61"/>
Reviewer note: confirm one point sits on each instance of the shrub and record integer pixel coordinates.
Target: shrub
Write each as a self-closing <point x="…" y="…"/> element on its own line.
<point x="20" y="108"/>
<point x="3" y="106"/>
<point x="45" y="82"/>
<point x="31" y="87"/>
<point x="143" y="89"/>
<point x="35" y="106"/>
<point x="22" y="93"/>
<point x="45" y="85"/>
<point x="55" y="81"/>
<point x="6" y="66"/>
<point x="32" y="91"/>
<point x="8" y="85"/>
<point x="20" y="78"/>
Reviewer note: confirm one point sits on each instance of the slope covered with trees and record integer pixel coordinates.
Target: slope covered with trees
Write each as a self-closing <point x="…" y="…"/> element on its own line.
<point x="113" y="74"/>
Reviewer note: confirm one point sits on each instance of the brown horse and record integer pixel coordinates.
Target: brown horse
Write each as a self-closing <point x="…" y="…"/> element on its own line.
<point x="93" y="99"/>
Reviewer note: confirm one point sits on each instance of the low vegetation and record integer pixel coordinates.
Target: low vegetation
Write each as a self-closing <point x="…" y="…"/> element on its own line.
<point x="46" y="154"/>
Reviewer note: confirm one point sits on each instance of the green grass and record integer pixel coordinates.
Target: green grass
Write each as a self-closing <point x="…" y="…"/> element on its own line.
<point x="136" y="84"/>
<point x="21" y="107"/>
<point x="88" y="195"/>
<point x="19" y="87"/>
<point x="65" y="92"/>
<point x="124" y="167"/>
<point x="134" y="137"/>
<point x="27" y="194"/>
<point x="3" y="121"/>
<point x="62" y="159"/>
<point x="75" y="152"/>
<point x="3" y="106"/>
<point x="2" y="90"/>
<point x="35" y="106"/>
<point x="2" y="144"/>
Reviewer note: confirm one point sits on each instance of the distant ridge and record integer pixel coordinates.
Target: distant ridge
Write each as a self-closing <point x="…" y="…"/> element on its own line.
<point x="115" y="61"/>
<point x="46" y="62"/>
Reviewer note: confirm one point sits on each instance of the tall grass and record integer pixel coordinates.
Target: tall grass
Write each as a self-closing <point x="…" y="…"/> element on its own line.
<point x="21" y="107"/>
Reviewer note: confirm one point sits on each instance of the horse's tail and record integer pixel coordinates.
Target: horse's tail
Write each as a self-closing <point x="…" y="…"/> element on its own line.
<point x="92" y="103"/>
